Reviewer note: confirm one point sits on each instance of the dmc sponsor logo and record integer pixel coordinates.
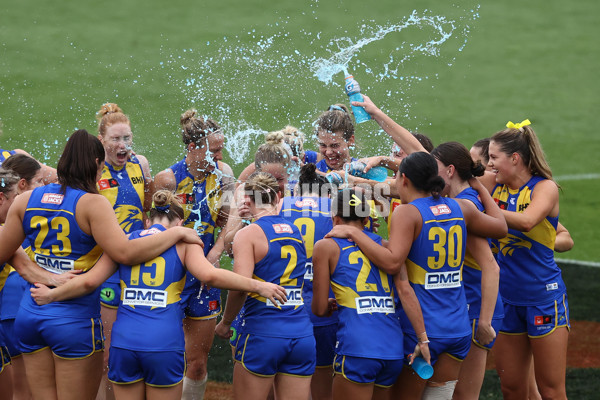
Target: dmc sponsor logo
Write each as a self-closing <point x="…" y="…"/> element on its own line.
<point x="144" y="297"/>
<point x="294" y="298"/>
<point x="52" y="198"/>
<point x="56" y="265"/>
<point x="442" y="280"/>
<point x="282" y="228"/>
<point x="374" y="304"/>
<point x="440" y="209"/>
<point x="306" y="203"/>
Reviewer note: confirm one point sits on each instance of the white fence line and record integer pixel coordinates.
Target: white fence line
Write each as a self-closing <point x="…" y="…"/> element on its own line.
<point x="578" y="263"/>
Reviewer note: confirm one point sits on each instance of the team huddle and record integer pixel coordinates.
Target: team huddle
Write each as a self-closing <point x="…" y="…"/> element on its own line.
<point x="110" y="280"/>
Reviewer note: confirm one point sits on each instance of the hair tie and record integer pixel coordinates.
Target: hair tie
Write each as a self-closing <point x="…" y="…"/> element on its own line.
<point x="518" y="126"/>
<point x="336" y="108"/>
<point x="355" y="201"/>
<point x="163" y="208"/>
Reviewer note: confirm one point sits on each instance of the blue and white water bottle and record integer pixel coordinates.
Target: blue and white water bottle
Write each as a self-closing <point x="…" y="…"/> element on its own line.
<point x="353" y="91"/>
<point x="422" y="368"/>
<point x="378" y="173"/>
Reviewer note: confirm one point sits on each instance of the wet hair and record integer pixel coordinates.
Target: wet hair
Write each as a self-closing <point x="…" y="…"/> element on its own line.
<point x="166" y="204"/>
<point x="272" y="151"/>
<point x="110" y="114"/>
<point x="484" y="146"/>
<point x="311" y="182"/>
<point x="351" y="205"/>
<point x="195" y="129"/>
<point x="8" y="180"/>
<point x="262" y="187"/>
<point x="24" y="166"/>
<point x="422" y="170"/>
<point x="525" y="142"/>
<point x="337" y="118"/>
<point x="424" y="140"/>
<point x="295" y="139"/>
<point x="454" y="153"/>
<point x="78" y="164"/>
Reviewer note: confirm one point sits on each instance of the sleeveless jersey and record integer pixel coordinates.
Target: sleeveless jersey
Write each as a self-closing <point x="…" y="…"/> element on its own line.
<point x="149" y="317"/>
<point x="57" y="244"/>
<point x="200" y="200"/>
<point x="4" y="154"/>
<point x="528" y="273"/>
<point x="471" y="272"/>
<point x="285" y="265"/>
<point x="368" y="326"/>
<point x="124" y="188"/>
<point x="312" y="216"/>
<point x="310" y="157"/>
<point x="434" y="266"/>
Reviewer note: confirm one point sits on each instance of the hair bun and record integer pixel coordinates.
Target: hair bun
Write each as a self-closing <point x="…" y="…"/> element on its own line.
<point x="108" y="108"/>
<point x="274" y="138"/>
<point x="188" y="116"/>
<point x="161" y="198"/>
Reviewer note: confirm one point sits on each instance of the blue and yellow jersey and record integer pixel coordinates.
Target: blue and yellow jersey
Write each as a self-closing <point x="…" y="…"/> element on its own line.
<point x="124" y="188"/>
<point x="200" y="200"/>
<point x="528" y="273"/>
<point x="434" y="266"/>
<point x="471" y="272"/>
<point x="368" y="326"/>
<point x="4" y="154"/>
<point x="312" y="216"/>
<point x="57" y="244"/>
<point x="149" y="317"/>
<point x="285" y="265"/>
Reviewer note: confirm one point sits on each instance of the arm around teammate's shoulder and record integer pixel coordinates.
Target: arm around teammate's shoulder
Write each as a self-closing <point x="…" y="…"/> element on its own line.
<point x="96" y="217"/>
<point x="544" y="203"/>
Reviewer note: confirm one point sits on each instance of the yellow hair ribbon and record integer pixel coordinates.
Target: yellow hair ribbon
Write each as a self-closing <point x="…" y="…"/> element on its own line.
<point x="355" y="201"/>
<point x="518" y="126"/>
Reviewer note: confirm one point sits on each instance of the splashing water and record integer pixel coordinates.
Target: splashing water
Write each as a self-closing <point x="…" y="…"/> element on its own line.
<point x="252" y="79"/>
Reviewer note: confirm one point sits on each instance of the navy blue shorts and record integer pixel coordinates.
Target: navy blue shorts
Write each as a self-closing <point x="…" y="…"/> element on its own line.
<point x="10" y="339"/>
<point x="457" y="348"/>
<point x="496" y="324"/>
<point x="200" y="303"/>
<point x="325" y="338"/>
<point x="67" y="337"/>
<point x="267" y="356"/>
<point x="155" y="368"/>
<point x="536" y="321"/>
<point x="382" y="373"/>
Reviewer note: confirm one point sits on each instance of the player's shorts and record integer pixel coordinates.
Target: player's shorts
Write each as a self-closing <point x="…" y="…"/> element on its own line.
<point x="4" y="358"/>
<point x="267" y="356"/>
<point x="325" y="338"/>
<point x="12" y="293"/>
<point x="457" y="348"/>
<point x="536" y="321"/>
<point x="382" y="373"/>
<point x="236" y="327"/>
<point x="201" y="303"/>
<point x="496" y="324"/>
<point x="155" y="368"/>
<point x="67" y="337"/>
<point x="10" y="340"/>
<point x="110" y="294"/>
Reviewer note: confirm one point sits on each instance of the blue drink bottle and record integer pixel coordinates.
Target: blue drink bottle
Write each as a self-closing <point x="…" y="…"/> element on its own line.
<point x="378" y="174"/>
<point x="353" y="92"/>
<point x="420" y="366"/>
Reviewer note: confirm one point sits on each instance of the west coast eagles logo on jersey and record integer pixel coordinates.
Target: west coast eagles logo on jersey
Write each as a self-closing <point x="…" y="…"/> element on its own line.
<point x="128" y="216"/>
<point x="511" y="242"/>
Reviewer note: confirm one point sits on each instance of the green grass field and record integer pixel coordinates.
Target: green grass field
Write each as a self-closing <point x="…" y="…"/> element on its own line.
<point x="251" y="66"/>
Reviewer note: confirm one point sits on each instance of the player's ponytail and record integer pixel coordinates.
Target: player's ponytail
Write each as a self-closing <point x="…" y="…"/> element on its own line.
<point x="165" y="204"/>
